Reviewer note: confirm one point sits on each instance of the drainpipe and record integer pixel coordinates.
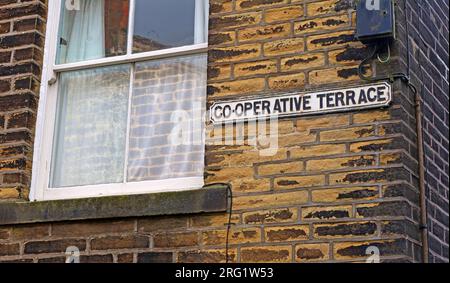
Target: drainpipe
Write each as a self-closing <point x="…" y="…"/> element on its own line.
<point x="423" y="200"/>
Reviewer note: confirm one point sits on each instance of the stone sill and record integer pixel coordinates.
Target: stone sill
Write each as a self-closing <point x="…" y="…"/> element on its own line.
<point x="210" y="199"/>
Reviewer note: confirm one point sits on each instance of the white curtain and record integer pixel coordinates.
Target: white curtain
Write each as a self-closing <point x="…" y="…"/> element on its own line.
<point x="167" y="119"/>
<point x="83" y="31"/>
<point x="92" y="104"/>
<point x="91" y="127"/>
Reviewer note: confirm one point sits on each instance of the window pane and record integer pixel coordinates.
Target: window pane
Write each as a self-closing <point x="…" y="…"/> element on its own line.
<point x="167" y="119"/>
<point x="91" y="127"/>
<point x="92" y="29"/>
<point x="161" y="24"/>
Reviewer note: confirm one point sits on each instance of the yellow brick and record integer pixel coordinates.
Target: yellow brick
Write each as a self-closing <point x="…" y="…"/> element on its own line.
<point x="371" y="116"/>
<point x="297" y="139"/>
<point x="285" y="127"/>
<point x="376" y="145"/>
<point x="270" y="216"/>
<point x="9" y="193"/>
<point x="321" y="24"/>
<point x="334" y="75"/>
<point x="264" y="32"/>
<point x="235" y="53"/>
<point x="329" y="40"/>
<point x="253" y="4"/>
<point x="237" y="87"/>
<point x="250" y="185"/>
<point x="382" y="130"/>
<point x="271" y="254"/>
<point x="240" y="178"/>
<point x="228" y="22"/>
<point x="326" y="213"/>
<point x="226" y="147"/>
<point x="321" y="8"/>
<point x="388" y="159"/>
<point x="221" y="38"/>
<point x="207" y="256"/>
<point x="246" y="158"/>
<point x="240" y="182"/>
<point x="280" y="168"/>
<point x="236" y="236"/>
<point x="302" y="62"/>
<point x="270" y="200"/>
<point x="355" y="177"/>
<point x="220" y="6"/>
<point x="347" y="134"/>
<point x="307" y="124"/>
<point x="345" y="194"/>
<point x="284" y="183"/>
<point x="350" y="55"/>
<point x="284" y="46"/>
<point x="285" y="82"/>
<point x="344" y="230"/>
<point x="312" y="252"/>
<point x="219" y="72"/>
<point x="255" y="68"/>
<point x="353" y="18"/>
<point x="353" y="250"/>
<point x="214" y="220"/>
<point x="340" y="163"/>
<point x="317" y="150"/>
<point x="283" y="14"/>
<point x="286" y="233"/>
<point x="225" y="174"/>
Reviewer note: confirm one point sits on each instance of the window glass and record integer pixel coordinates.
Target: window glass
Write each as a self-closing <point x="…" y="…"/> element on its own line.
<point x="91" y="127"/>
<point x="129" y="118"/>
<point x="92" y="29"/>
<point x="161" y="24"/>
<point x="167" y="119"/>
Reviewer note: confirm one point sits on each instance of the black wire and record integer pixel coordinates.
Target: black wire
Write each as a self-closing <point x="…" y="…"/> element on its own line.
<point x="391" y="77"/>
<point x="230" y="213"/>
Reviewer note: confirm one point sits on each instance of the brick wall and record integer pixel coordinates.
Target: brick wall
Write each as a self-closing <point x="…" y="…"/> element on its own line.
<point x="22" y="29"/>
<point x="429" y="39"/>
<point x="338" y="184"/>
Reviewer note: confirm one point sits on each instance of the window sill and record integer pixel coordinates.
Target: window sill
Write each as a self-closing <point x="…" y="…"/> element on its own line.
<point x="211" y="199"/>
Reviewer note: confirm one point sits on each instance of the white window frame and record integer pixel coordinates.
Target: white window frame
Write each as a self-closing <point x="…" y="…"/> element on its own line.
<point x="46" y="115"/>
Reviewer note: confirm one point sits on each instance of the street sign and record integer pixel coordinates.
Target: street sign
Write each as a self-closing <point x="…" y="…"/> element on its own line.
<point x="301" y="104"/>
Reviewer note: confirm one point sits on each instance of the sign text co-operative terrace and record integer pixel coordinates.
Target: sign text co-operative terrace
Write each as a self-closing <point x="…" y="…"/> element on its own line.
<point x="301" y="104"/>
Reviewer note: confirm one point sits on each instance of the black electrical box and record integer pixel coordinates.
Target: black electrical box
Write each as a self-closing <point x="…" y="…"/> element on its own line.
<point x="375" y="20"/>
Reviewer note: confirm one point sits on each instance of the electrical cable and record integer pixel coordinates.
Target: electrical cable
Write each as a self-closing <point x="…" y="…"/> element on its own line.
<point x="391" y="77"/>
<point x="388" y="57"/>
<point x="230" y="213"/>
